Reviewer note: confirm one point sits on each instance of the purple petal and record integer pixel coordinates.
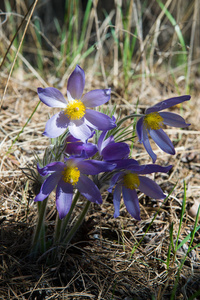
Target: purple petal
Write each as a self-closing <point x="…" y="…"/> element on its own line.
<point x="51" y="97"/>
<point x="128" y="164"/>
<point x="52" y="167"/>
<point x="131" y="201"/>
<point x="77" y="148"/>
<point x="173" y="120"/>
<point x="150" y="188"/>
<point x="114" y="180"/>
<point x="76" y="83"/>
<point x="101" y="143"/>
<point x="167" y="103"/>
<point x="64" y="194"/>
<point x="96" y="97"/>
<point x="98" y="120"/>
<point x="147" y="145"/>
<point x="73" y="161"/>
<point x="89" y="190"/>
<point x="152" y="168"/>
<point x="47" y="186"/>
<point x="81" y="132"/>
<point x="115" y="151"/>
<point x="56" y="125"/>
<point x="117" y="199"/>
<point x="109" y="140"/>
<point x="162" y="140"/>
<point x="100" y="140"/>
<point x="139" y="129"/>
<point x="93" y="167"/>
<point x="71" y="139"/>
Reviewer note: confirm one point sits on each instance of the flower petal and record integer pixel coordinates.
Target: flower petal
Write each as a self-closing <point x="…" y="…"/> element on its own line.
<point x="109" y="140"/>
<point x="127" y="164"/>
<point x="98" y="120"/>
<point x="76" y="83"/>
<point x="73" y="161"/>
<point x="100" y="141"/>
<point x="115" y="151"/>
<point x="167" y="103"/>
<point x="93" y="167"/>
<point x="56" y="125"/>
<point x="150" y="188"/>
<point x="132" y="203"/>
<point x="47" y="186"/>
<point x="147" y="145"/>
<point x="77" y="148"/>
<point x="64" y="194"/>
<point x="162" y="140"/>
<point x="81" y="132"/>
<point x="139" y="129"/>
<point x="152" y="168"/>
<point x="52" y="167"/>
<point x="114" y="180"/>
<point x="89" y="190"/>
<point x="96" y="97"/>
<point x="173" y="120"/>
<point x="52" y="97"/>
<point x="117" y="199"/>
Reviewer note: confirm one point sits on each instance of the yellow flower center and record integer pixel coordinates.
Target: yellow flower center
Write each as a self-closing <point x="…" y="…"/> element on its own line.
<point x="131" y="181"/>
<point x="71" y="175"/>
<point x="75" y="110"/>
<point x="153" y="121"/>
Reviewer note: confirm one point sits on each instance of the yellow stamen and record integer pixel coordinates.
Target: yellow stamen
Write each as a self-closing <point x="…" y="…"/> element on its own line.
<point x="71" y="175"/>
<point x="153" y="121"/>
<point x="75" y="110"/>
<point x="131" y="181"/>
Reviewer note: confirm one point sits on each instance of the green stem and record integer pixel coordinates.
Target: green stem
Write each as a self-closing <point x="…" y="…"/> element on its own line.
<point x="77" y="224"/>
<point x="66" y="219"/>
<point x="56" y="238"/>
<point x="39" y="236"/>
<point x="57" y="229"/>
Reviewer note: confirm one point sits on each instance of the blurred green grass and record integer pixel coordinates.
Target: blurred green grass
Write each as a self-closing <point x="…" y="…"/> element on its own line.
<point x="130" y="40"/>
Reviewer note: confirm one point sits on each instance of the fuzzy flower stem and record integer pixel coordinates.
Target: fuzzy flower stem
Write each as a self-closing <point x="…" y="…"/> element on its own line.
<point x="56" y="237"/>
<point x="77" y="224"/>
<point x="57" y="229"/>
<point x="67" y="218"/>
<point x="39" y="236"/>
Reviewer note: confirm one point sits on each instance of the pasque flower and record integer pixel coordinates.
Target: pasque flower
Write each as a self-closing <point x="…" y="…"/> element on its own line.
<point x="76" y="147"/>
<point x="129" y="179"/>
<point x="69" y="175"/>
<point x="110" y="150"/>
<point x="153" y="121"/>
<point x="76" y="115"/>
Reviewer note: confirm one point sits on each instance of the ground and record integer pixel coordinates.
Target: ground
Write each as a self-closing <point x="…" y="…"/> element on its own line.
<point x="108" y="258"/>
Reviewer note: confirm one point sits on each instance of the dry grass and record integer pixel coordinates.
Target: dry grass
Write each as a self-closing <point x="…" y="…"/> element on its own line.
<point x="98" y="263"/>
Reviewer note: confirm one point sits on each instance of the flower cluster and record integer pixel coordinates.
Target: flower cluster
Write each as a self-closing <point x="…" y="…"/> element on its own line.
<point x="88" y="167"/>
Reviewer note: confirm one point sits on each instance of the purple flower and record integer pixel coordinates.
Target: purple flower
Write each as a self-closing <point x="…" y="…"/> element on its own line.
<point x="70" y="175"/>
<point x="130" y="179"/>
<point x="111" y="151"/>
<point x="78" y="148"/>
<point x="108" y="149"/>
<point x="75" y="114"/>
<point x="152" y="123"/>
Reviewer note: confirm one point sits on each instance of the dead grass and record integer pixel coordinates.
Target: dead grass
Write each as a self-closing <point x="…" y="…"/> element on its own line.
<point x="98" y="263"/>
